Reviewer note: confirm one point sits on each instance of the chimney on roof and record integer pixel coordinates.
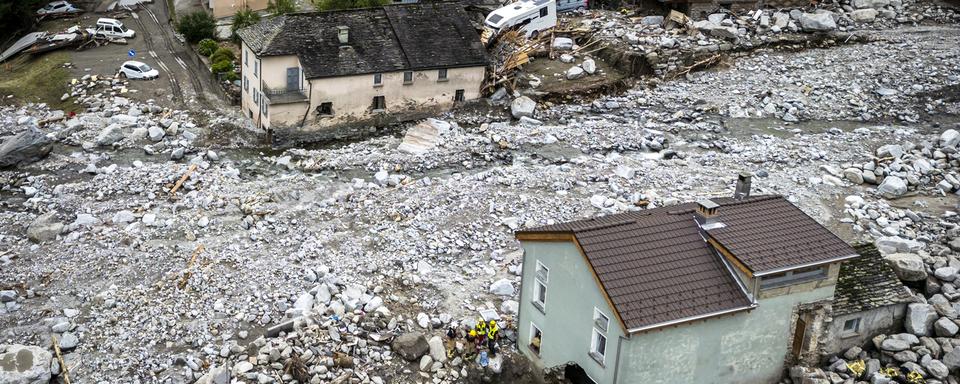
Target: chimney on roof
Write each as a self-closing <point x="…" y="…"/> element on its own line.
<point x="343" y="34"/>
<point x="743" y="186"/>
<point x="706" y="214"/>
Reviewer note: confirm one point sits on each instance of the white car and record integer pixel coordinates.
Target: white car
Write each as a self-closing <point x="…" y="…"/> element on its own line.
<point x="137" y="70"/>
<point x="111" y="28"/>
<point x="57" y="7"/>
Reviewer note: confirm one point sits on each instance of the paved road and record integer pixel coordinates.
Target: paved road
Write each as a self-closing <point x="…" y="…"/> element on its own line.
<point x="183" y="83"/>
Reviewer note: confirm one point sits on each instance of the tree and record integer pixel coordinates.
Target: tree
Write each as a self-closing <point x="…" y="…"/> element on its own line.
<point x="17" y="16"/>
<point x="197" y="26"/>
<point x="330" y="5"/>
<point x="242" y="19"/>
<point x="279" y="7"/>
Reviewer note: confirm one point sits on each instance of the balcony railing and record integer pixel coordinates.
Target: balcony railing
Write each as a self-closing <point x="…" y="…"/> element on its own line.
<point x="284" y="96"/>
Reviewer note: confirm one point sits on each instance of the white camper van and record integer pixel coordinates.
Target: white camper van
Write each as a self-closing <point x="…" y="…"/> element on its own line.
<point x="530" y="16"/>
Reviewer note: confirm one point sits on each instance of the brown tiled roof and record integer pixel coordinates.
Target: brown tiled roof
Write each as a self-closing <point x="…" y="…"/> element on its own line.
<point x="656" y="267"/>
<point x="867" y="283"/>
<point x="769" y="233"/>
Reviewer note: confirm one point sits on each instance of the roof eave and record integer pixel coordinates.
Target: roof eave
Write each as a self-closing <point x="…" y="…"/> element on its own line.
<point x="810" y="264"/>
<point x="644" y="328"/>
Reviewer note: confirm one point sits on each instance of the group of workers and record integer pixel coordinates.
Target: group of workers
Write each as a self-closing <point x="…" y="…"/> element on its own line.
<point x="483" y="335"/>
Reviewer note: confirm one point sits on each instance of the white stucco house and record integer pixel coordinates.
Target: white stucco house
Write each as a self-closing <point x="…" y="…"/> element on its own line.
<point x="309" y="73"/>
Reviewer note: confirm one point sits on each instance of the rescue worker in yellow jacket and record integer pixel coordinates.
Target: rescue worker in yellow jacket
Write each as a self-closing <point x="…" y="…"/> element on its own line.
<point x="493" y="331"/>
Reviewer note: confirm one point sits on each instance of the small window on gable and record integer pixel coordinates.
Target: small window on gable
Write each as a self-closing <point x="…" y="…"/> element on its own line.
<point x="377" y="79"/>
<point x="408" y="77"/>
<point x="600" y="320"/>
<point x="325" y="109"/>
<point x="441" y="74"/>
<point x="544" y="11"/>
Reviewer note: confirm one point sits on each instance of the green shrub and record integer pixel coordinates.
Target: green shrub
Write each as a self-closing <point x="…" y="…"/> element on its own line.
<point x="207" y="47"/>
<point x="242" y="19"/>
<point x="231" y="76"/>
<point x="197" y="26"/>
<point x="222" y="54"/>
<point x="222" y="66"/>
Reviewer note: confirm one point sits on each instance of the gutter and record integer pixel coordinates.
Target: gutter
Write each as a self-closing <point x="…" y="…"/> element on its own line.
<point x="811" y="264"/>
<point x="309" y="104"/>
<point x="692" y="318"/>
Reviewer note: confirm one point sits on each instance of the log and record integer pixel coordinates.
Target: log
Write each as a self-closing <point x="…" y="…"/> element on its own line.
<point x="193" y="167"/>
<point x="63" y="366"/>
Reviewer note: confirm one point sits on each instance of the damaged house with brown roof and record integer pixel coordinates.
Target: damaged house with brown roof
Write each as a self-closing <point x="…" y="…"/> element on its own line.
<point x="725" y="290"/>
<point x="332" y="74"/>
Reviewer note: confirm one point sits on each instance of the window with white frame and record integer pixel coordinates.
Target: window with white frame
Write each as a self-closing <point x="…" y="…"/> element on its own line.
<point x="377" y="79"/>
<point x="851" y="327"/>
<point x="536" y="338"/>
<point x="598" y="340"/>
<point x="540" y="286"/>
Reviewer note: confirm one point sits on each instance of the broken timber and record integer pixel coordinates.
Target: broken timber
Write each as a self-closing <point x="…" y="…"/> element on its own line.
<point x="63" y="366"/>
<point x="193" y="167"/>
<point x="186" y="272"/>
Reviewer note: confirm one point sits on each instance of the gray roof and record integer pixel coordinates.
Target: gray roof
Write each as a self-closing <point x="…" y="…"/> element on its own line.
<point x="381" y="39"/>
<point x="866" y="283"/>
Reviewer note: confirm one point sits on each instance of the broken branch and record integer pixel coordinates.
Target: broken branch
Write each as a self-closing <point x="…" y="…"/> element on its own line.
<point x="63" y="366"/>
<point x="186" y="272"/>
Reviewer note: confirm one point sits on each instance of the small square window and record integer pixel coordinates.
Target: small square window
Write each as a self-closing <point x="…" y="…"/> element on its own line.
<point x="408" y="77"/>
<point x="544" y="11"/>
<point x="458" y="96"/>
<point x="377" y="79"/>
<point x="851" y="327"/>
<point x="325" y="109"/>
<point x="442" y="74"/>
<point x="379" y="103"/>
<point x="600" y="320"/>
<point x="536" y="339"/>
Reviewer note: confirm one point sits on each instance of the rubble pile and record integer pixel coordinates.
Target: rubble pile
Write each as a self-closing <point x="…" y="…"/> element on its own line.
<point x="153" y="256"/>
<point x="670" y="44"/>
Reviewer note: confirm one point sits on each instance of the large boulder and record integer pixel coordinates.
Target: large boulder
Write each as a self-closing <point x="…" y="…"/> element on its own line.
<point x="437" y="350"/>
<point x="949" y="138"/>
<point x="109" y="135"/>
<point x="920" y="319"/>
<point x="411" y="346"/>
<point x="502" y="287"/>
<point x="522" y="106"/>
<point x="424" y="136"/>
<point x="818" y="22"/>
<point x="952" y="359"/>
<point x="907" y="266"/>
<point x="24" y="148"/>
<point x="862" y="15"/>
<point x="892" y="187"/>
<point x="44" y="228"/>
<point x="21" y="364"/>
<point x="563" y="43"/>
<point x="896" y="244"/>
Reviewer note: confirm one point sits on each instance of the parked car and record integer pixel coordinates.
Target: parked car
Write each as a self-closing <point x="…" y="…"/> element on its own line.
<point x="57" y="7"/>
<point x="111" y="28"/>
<point x="572" y="5"/>
<point x="138" y="70"/>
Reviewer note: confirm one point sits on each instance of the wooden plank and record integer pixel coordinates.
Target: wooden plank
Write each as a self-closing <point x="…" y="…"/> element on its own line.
<point x="193" y="167"/>
<point x="63" y="366"/>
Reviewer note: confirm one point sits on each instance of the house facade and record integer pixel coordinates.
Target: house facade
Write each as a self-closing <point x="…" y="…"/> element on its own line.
<point x="311" y="74"/>
<point x="722" y="291"/>
<point x="227" y="8"/>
